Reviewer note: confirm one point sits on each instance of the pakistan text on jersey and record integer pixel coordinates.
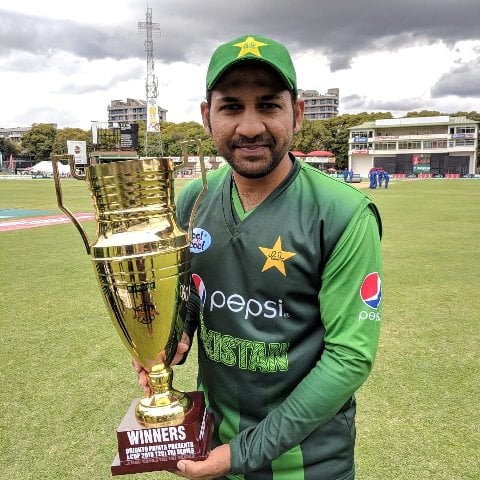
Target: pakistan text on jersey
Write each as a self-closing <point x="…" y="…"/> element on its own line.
<point x="244" y="354"/>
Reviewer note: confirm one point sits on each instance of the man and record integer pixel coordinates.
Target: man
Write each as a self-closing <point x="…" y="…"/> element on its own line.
<point x="289" y="283"/>
<point x="380" y="177"/>
<point x="372" y="175"/>
<point x="386" y="177"/>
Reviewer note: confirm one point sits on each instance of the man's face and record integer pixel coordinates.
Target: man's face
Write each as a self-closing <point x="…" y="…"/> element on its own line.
<point x="252" y="119"/>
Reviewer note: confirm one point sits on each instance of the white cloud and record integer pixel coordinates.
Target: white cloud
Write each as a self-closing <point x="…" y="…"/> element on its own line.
<point x="88" y="11"/>
<point x="64" y="62"/>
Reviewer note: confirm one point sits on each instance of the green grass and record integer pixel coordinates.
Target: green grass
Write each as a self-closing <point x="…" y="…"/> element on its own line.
<point x="418" y="415"/>
<point x="67" y="381"/>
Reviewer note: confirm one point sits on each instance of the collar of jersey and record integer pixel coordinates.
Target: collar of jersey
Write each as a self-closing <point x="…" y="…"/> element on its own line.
<point x="237" y="203"/>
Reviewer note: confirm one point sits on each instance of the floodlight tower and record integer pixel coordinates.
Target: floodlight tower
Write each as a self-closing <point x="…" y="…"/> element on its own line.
<point x="150" y="30"/>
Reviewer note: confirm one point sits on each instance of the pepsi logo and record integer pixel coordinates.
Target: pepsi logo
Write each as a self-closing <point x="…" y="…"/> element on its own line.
<point x="200" y="286"/>
<point x="371" y="290"/>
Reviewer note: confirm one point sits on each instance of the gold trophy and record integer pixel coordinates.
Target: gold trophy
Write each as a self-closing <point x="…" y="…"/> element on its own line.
<point x="142" y="263"/>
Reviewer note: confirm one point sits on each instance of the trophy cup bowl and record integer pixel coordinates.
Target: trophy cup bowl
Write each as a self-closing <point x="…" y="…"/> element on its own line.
<point x="142" y="263"/>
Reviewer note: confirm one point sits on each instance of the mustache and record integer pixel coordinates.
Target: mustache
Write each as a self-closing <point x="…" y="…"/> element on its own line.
<point x="242" y="141"/>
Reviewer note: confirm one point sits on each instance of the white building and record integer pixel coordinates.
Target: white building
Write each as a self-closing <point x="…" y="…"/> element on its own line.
<point x="417" y="145"/>
<point x="320" y="106"/>
<point x="14" y="134"/>
<point x="130" y="111"/>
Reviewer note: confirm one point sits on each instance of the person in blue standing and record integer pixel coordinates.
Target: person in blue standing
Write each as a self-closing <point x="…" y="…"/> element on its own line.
<point x="380" y="177"/>
<point x="386" y="178"/>
<point x="345" y="174"/>
<point x="350" y="175"/>
<point x="372" y="175"/>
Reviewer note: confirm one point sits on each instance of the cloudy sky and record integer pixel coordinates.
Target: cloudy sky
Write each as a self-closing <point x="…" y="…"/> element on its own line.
<point x="63" y="62"/>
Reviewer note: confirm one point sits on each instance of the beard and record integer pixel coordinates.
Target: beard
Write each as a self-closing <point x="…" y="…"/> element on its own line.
<point x="257" y="165"/>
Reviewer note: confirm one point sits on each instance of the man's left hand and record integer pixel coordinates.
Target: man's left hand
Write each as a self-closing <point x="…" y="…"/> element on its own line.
<point x="216" y="465"/>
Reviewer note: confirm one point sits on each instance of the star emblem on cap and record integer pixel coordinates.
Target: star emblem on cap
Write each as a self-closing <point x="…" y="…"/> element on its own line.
<point x="250" y="45"/>
<point x="276" y="257"/>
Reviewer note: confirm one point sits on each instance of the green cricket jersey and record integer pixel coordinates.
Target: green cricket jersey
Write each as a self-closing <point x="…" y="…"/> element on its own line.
<point x="290" y="301"/>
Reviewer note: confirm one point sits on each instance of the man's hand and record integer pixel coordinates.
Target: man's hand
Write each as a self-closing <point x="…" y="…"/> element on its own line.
<point x="182" y="347"/>
<point x="216" y="465"/>
<point x="142" y="377"/>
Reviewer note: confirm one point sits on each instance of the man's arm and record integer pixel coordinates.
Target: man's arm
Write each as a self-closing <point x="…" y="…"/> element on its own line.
<point x="351" y="340"/>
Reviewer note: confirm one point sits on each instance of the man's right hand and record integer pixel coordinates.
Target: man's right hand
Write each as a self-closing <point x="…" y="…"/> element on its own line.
<point x="142" y="377"/>
<point x="182" y="348"/>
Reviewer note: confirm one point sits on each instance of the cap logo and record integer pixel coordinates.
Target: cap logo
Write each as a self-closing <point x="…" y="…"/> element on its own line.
<point x="250" y="46"/>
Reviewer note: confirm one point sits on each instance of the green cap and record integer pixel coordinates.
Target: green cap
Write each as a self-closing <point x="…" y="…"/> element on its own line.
<point x="252" y="48"/>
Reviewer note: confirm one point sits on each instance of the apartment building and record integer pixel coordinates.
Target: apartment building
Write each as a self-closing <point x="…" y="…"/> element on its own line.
<point x="320" y="106"/>
<point x="131" y="110"/>
<point x="425" y="146"/>
<point x="14" y="134"/>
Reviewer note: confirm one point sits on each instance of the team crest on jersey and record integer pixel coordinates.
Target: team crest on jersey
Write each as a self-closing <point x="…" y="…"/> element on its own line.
<point x="200" y="286"/>
<point x="276" y="257"/>
<point x="371" y="290"/>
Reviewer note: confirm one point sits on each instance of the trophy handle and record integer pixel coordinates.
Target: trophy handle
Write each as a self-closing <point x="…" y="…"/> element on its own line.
<point x="58" y="190"/>
<point x="199" y="199"/>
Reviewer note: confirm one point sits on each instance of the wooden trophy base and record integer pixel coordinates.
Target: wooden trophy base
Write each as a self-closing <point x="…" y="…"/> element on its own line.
<point x="146" y="449"/>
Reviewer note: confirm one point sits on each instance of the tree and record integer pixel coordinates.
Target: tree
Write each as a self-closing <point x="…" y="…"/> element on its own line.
<point x="331" y="135"/>
<point x="424" y="113"/>
<point x="38" y="141"/>
<point x="475" y="116"/>
<point x="168" y="141"/>
<point x="173" y="134"/>
<point x="59" y="146"/>
<point x="8" y="147"/>
<point x="312" y="136"/>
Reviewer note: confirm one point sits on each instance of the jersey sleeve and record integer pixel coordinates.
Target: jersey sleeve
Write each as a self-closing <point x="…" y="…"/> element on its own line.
<point x="183" y="210"/>
<point x="351" y="338"/>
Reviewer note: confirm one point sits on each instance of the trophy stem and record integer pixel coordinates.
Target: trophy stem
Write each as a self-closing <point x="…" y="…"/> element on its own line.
<point x="166" y="406"/>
